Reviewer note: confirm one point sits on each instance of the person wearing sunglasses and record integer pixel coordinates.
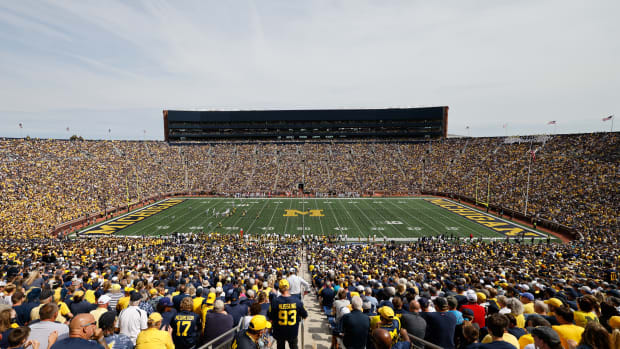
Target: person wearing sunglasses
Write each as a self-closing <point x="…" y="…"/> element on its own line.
<point x="83" y="334"/>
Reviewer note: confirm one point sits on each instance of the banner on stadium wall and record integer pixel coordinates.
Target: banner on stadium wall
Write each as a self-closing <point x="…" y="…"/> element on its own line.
<point x="494" y="223"/>
<point x="122" y="222"/>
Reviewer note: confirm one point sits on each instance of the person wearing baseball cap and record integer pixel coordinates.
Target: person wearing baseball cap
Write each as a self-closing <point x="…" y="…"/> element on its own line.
<point x="546" y="338"/>
<point x="252" y="337"/>
<point x="479" y="311"/>
<point x="286" y="312"/>
<point x="80" y="305"/>
<point x="132" y="319"/>
<point x="153" y="337"/>
<point x="166" y="308"/>
<point x="102" y="306"/>
<point x="297" y="285"/>
<point x="528" y="302"/>
<point x="389" y="322"/>
<point x="206" y="307"/>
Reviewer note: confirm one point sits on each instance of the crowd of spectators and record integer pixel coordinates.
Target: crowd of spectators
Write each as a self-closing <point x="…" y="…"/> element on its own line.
<point x="130" y="290"/>
<point x="78" y="283"/>
<point x="461" y="294"/>
<point x="568" y="179"/>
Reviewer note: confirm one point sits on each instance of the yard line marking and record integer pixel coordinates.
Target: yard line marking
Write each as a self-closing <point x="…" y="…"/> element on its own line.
<point x="320" y="222"/>
<point x="383" y="217"/>
<point x="354" y="222"/>
<point x="367" y="218"/>
<point x="421" y="221"/>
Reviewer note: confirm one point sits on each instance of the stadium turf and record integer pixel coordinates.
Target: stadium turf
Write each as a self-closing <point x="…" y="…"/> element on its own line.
<point x="391" y="218"/>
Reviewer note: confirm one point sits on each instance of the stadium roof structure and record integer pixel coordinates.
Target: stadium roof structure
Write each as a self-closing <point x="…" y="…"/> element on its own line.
<point x="186" y="125"/>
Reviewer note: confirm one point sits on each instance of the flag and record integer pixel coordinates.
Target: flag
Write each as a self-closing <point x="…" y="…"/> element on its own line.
<point x="604" y="119"/>
<point x="551" y="122"/>
<point x="67" y="129"/>
<point x="504" y="125"/>
<point x="21" y="125"/>
<point x="533" y="153"/>
<point x="109" y="130"/>
<point x="467" y="127"/>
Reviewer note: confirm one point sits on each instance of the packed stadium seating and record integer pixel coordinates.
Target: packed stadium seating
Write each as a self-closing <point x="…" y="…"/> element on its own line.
<point x="573" y="179"/>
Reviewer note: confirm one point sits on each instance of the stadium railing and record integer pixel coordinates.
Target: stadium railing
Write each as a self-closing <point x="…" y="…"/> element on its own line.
<point x="226" y="343"/>
<point x="419" y="343"/>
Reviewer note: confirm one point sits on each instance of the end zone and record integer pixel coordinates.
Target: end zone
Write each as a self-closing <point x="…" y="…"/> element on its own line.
<point x="496" y="224"/>
<point x="115" y="225"/>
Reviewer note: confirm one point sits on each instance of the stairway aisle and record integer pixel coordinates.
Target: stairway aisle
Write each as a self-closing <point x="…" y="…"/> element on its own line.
<point x="317" y="333"/>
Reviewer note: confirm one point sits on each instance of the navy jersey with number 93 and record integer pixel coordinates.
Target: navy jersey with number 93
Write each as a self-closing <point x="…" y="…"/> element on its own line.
<point x="285" y="314"/>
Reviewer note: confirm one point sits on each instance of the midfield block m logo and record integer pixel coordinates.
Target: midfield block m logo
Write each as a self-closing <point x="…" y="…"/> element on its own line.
<point x="295" y="213"/>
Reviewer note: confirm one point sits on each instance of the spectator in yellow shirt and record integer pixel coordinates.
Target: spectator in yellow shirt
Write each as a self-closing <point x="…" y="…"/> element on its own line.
<point x="153" y="337"/>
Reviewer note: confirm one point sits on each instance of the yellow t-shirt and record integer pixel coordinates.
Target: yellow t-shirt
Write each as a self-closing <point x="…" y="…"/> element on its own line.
<point x="507" y="337"/>
<point x="528" y="308"/>
<point x="525" y="340"/>
<point x="582" y="318"/>
<point x="89" y="295"/>
<point x="97" y="314"/>
<point x="198" y="304"/>
<point x="520" y="321"/>
<point x="568" y="331"/>
<point x="63" y="309"/>
<point x="153" y="338"/>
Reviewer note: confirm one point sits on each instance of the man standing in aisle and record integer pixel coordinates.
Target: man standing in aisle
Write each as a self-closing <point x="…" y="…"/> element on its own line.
<point x="296" y="284"/>
<point x="285" y="312"/>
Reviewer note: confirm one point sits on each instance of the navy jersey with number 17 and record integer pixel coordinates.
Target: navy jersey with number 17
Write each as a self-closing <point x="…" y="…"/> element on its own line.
<point x="185" y="329"/>
<point x="285" y="314"/>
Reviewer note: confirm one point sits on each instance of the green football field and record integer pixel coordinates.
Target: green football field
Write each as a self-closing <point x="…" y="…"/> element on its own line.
<point x="392" y="218"/>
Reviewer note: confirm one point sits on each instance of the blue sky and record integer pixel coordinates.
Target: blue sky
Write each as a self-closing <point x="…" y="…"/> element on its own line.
<point x="98" y="65"/>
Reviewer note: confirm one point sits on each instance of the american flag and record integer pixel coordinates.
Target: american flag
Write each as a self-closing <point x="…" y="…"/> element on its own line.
<point x="67" y="129"/>
<point x="551" y="122"/>
<point x="504" y="125"/>
<point x="608" y="118"/>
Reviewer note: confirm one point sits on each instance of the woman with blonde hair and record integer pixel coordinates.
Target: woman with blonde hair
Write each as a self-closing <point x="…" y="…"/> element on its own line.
<point x="34" y="279"/>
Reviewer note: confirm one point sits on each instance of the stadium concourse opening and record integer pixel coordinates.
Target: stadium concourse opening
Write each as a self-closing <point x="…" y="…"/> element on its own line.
<point x="183" y="125"/>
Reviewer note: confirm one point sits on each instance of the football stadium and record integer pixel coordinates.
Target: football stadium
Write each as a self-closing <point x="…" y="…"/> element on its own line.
<point x="314" y="175"/>
<point x="374" y="209"/>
